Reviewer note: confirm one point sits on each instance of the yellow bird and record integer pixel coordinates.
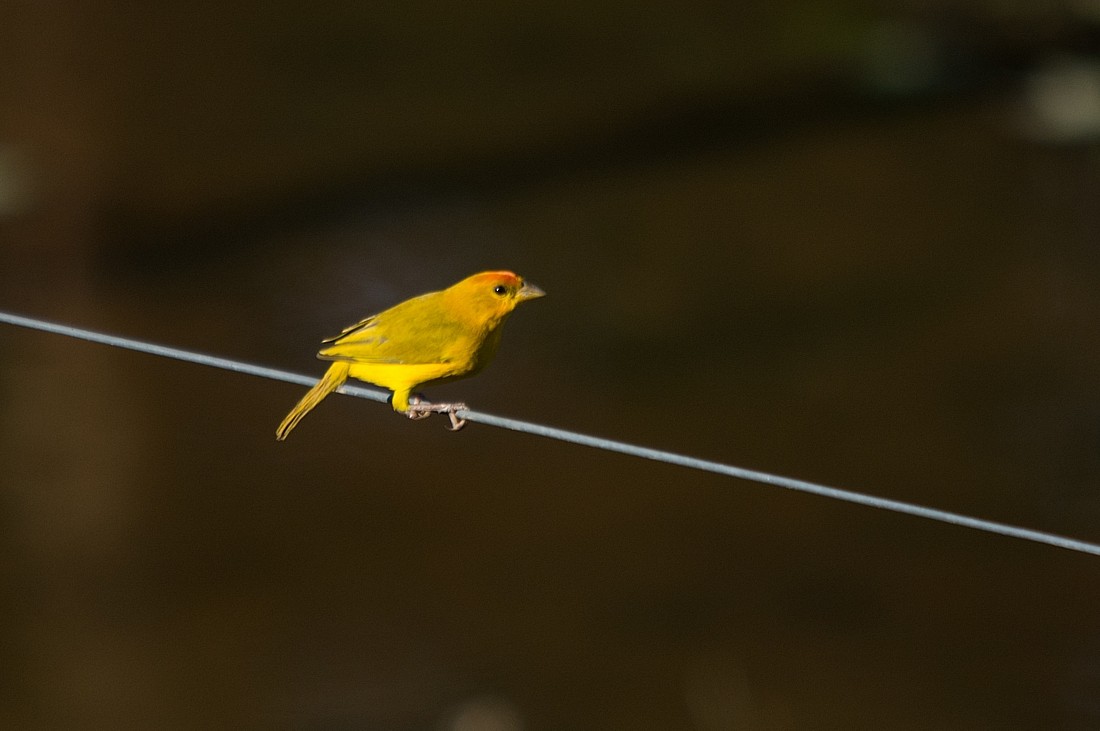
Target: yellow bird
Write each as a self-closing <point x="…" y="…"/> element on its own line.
<point x="434" y="338"/>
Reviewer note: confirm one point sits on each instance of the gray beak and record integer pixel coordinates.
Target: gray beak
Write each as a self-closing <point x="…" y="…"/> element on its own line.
<point x="529" y="292"/>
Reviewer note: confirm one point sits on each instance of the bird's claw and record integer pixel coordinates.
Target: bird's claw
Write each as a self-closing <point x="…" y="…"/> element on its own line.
<point x="420" y="409"/>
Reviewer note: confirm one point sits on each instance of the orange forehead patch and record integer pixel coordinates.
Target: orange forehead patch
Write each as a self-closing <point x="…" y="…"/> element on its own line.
<point x="502" y="277"/>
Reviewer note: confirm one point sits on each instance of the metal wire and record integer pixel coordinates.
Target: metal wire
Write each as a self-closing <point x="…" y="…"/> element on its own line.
<point x="564" y="435"/>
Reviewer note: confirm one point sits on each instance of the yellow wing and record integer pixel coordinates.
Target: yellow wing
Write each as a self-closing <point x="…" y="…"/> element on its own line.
<point x="415" y="332"/>
<point x="348" y="331"/>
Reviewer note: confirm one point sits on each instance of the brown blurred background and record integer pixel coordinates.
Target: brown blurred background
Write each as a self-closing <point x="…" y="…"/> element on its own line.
<point x="853" y="242"/>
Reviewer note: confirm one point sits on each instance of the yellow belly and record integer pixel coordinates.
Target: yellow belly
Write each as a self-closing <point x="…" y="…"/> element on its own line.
<point x="400" y="378"/>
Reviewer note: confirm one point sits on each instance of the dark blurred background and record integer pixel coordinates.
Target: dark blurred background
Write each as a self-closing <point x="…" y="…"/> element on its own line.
<point x="852" y="242"/>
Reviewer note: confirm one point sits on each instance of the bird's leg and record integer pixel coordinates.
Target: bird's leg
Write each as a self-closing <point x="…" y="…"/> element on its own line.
<point x="416" y="408"/>
<point x="421" y="409"/>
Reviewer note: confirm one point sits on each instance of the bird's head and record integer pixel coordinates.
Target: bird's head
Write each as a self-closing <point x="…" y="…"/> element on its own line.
<point x="490" y="296"/>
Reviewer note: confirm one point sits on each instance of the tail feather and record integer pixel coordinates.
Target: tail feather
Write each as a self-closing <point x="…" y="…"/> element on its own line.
<point x="334" y="378"/>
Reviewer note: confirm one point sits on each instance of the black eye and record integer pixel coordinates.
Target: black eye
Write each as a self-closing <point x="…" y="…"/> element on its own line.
<point x="500" y="289"/>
